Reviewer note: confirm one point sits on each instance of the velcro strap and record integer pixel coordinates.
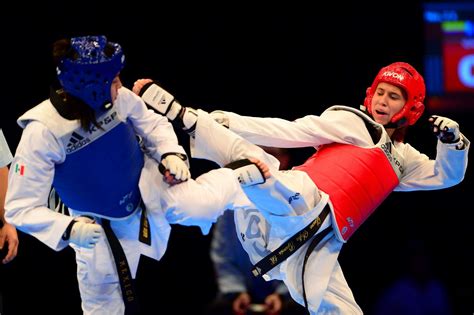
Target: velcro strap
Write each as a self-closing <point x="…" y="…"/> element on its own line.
<point x="157" y="98"/>
<point x="248" y="173"/>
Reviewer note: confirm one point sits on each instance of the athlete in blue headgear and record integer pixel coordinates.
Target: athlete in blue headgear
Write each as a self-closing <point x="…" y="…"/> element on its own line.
<point x="83" y="142"/>
<point x="89" y="72"/>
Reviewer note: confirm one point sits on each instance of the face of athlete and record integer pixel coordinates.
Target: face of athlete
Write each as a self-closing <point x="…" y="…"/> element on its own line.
<point x="116" y="85"/>
<point x="388" y="100"/>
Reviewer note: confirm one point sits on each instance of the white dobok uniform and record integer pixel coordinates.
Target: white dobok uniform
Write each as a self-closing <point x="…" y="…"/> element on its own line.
<point x="262" y="232"/>
<point x="44" y="147"/>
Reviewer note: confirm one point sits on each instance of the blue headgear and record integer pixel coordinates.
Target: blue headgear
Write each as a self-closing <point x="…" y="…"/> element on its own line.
<point x="90" y="74"/>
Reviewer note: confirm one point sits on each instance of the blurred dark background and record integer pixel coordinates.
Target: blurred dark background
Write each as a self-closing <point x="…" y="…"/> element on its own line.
<point x="280" y="60"/>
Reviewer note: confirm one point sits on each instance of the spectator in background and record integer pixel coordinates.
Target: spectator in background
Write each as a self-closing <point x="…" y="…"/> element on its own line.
<point x="417" y="291"/>
<point x="8" y="234"/>
<point x="239" y="292"/>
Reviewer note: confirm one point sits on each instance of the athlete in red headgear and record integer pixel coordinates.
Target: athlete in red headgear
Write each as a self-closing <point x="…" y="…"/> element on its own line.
<point x="360" y="160"/>
<point x="410" y="82"/>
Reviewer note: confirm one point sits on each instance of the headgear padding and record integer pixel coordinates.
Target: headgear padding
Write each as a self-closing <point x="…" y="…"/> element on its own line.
<point x="88" y="72"/>
<point x="404" y="76"/>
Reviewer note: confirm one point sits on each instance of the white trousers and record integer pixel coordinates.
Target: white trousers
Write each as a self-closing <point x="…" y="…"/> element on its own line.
<point x="327" y="291"/>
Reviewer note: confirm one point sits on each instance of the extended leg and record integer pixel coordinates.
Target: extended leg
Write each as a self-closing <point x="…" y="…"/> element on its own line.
<point x="283" y="193"/>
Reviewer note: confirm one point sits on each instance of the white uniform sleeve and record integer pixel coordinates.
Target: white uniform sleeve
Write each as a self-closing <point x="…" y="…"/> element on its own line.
<point x="421" y="173"/>
<point x="309" y="131"/>
<point x="5" y="153"/>
<point x="156" y="131"/>
<point x="338" y="126"/>
<point x="29" y="184"/>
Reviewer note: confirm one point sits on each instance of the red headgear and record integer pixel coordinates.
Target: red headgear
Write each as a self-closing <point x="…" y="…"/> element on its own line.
<point x="404" y="76"/>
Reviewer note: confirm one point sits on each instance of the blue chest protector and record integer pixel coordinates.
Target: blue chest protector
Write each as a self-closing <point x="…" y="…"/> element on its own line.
<point x="101" y="178"/>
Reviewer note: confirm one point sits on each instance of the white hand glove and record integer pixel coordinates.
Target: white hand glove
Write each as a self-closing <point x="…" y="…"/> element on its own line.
<point x="447" y="130"/>
<point x="85" y="232"/>
<point x="157" y="98"/>
<point x="220" y="117"/>
<point x="176" y="165"/>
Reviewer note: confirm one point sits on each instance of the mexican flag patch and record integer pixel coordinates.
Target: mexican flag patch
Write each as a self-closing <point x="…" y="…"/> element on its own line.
<point x="19" y="169"/>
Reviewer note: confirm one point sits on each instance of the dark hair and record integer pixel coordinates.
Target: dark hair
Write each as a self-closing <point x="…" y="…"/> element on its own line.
<point x="399" y="134"/>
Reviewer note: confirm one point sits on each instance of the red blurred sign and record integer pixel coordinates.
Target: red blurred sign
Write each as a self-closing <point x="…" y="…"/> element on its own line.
<point x="458" y="60"/>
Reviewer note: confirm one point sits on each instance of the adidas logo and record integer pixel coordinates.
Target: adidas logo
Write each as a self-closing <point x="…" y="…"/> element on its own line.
<point x="387" y="147"/>
<point x="76" y="142"/>
<point x="241" y="180"/>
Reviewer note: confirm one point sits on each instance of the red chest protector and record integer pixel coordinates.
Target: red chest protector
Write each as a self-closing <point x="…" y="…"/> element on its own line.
<point x="356" y="179"/>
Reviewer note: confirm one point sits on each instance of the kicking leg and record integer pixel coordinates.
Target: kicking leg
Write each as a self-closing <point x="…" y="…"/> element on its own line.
<point x="279" y="193"/>
<point x="283" y="193"/>
<point x="217" y="143"/>
<point x="214" y="142"/>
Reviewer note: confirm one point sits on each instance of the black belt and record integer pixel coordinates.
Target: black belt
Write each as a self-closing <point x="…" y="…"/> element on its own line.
<point x="127" y="286"/>
<point x="129" y="292"/>
<point x="290" y="246"/>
